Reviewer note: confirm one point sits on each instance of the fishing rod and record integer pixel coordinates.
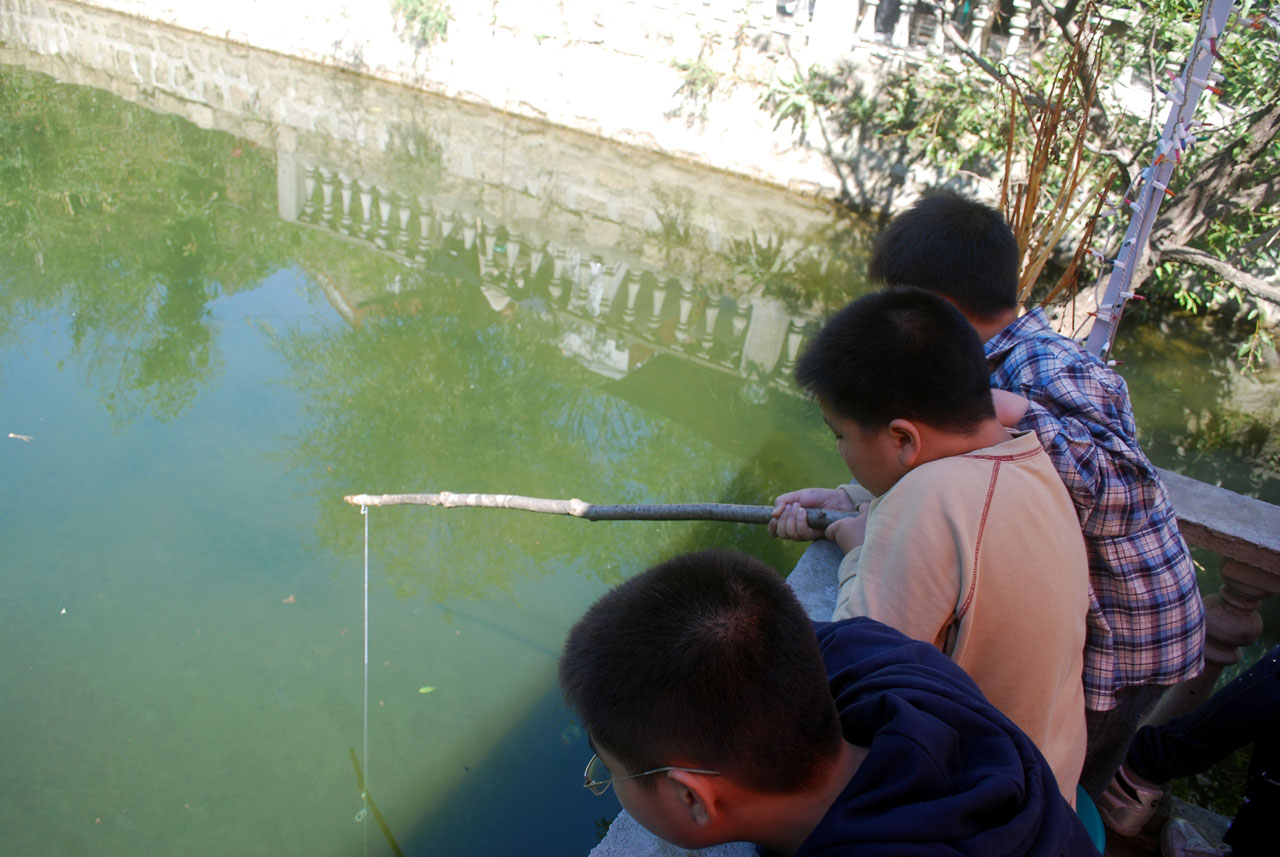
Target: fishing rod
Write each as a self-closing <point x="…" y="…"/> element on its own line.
<point x="818" y="519"/>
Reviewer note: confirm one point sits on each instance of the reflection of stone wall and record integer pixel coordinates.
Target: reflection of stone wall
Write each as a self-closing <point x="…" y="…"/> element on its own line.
<point x="403" y="170"/>
<point x="493" y="164"/>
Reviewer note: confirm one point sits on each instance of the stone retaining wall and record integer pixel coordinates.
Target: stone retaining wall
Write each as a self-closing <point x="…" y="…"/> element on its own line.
<point x="624" y="70"/>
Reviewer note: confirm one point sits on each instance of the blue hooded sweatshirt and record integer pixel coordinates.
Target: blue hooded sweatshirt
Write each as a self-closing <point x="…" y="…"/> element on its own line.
<point x="946" y="772"/>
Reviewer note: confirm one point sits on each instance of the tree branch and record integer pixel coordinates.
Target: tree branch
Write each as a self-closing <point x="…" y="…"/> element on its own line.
<point x="726" y="512"/>
<point x="1243" y="280"/>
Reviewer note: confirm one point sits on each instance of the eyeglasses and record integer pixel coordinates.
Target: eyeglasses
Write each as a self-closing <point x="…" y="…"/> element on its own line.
<point x="596" y="776"/>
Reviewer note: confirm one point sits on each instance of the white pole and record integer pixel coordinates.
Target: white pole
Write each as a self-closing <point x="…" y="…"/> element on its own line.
<point x="1176" y="138"/>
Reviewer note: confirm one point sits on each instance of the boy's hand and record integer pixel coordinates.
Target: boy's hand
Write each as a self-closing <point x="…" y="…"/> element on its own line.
<point x="849" y="533"/>
<point x="790" y="520"/>
<point x="1010" y="407"/>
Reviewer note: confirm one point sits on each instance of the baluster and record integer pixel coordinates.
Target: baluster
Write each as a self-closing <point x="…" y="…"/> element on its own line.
<point x="1017" y="28"/>
<point x="426" y="218"/>
<point x="709" y="317"/>
<point x="488" y="241"/>
<point x="686" y="304"/>
<point x="513" y="250"/>
<point x="902" y="29"/>
<point x="802" y="17"/>
<point x="659" y="298"/>
<point x="791" y="349"/>
<point x="1232" y="621"/>
<point x="633" y="291"/>
<point x="366" y="211"/>
<point x="558" y="264"/>
<point x="867" y="31"/>
<point x="469" y="234"/>
<point x="738" y="335"/>
<point x="981" y="16"/>
<point x="595" y="287"/>
<point x="616" y="277"/>
<point x="535" y="261"/>
<point x="345" y="222"/>
<point x="309" y="191"/>
<point x="579" y="277"/>
<point x="384" y="218"/>
<point x="402" y="237"/>
<point x="941" y="13"/>
<point x="326" y="196"/>
<point x="836" y="29"/>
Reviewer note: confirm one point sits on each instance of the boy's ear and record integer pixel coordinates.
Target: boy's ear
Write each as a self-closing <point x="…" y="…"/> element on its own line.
<point x="698" y="796"/>
<point x="905" y="438"/>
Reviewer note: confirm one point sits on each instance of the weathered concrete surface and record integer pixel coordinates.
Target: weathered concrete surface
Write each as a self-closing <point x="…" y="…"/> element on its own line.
<point x="606" y="68"/>
<point x="1231" y="525"/>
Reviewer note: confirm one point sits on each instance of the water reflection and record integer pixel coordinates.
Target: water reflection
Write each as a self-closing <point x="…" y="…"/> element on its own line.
<point x="211" y="362"/>
<point x="278" y="287"/>
<point x="1198" y="413"/>
<point x="637" y="254"/>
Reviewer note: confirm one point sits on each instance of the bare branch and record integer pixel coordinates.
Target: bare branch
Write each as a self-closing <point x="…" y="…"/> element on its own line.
<point x="1242" y="280"/>
<point x="726" y="512"/>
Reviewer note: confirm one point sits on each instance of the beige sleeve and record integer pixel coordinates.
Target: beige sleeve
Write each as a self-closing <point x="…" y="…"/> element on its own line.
<point x="856" y="493"/>
<point x="907" y="572"/>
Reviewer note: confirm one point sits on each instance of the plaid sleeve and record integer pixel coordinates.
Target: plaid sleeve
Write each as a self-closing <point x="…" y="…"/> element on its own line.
<point x="1078" y="415"/>
<point x="1146" y="618"/>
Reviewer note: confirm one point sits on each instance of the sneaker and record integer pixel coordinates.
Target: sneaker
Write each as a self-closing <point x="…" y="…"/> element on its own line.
<point x="1179" y="838"/>
<point x="1128" y="802"/>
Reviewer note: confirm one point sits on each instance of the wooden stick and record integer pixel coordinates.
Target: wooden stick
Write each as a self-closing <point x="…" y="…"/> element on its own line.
<point x="727" y="512"/>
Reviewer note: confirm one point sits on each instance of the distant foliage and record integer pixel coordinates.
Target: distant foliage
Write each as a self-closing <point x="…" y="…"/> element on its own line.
<point x="425" y="21"/>
<point x="1217" y="235"/>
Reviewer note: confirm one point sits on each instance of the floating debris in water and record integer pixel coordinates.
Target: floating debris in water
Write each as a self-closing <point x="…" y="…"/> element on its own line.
<point x="426" y="688"/>
<point x="25" y="438"/>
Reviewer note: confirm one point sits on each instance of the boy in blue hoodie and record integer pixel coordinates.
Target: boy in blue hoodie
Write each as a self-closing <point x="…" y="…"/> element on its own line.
<point x="719" y="713"/>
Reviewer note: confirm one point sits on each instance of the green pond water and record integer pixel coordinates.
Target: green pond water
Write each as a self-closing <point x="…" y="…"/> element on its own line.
<point x="212" y="334"/>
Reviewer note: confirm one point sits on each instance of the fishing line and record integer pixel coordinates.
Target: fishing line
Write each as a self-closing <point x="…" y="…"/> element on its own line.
<point x="370" y="805"/>
<point x="364" y="791"/>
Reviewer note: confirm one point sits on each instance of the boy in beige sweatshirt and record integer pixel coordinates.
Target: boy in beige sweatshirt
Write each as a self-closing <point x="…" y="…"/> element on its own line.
<point x="971" y="541"/>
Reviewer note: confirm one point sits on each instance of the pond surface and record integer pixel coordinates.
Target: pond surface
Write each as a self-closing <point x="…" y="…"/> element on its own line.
<point x="214" y="325"/>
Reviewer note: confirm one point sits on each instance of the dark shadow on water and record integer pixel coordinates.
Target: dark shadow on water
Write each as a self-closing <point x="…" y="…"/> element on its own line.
<point x="556" y="817"/>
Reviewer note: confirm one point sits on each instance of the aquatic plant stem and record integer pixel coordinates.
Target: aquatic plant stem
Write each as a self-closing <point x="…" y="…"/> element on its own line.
<point x="819" y="519"/>
<point x="372" y="806"/>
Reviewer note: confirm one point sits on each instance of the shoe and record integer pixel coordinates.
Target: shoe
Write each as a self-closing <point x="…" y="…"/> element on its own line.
<point x="1128" y="802"/>
<point x="1179" y="838"/>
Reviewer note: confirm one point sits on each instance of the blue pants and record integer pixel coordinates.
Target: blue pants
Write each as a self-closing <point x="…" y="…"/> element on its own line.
<point x="1245" y="711"/>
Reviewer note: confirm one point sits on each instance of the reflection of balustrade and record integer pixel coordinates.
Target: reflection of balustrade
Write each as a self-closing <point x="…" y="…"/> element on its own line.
<point x="747" y="335"/>
<point x="1245" y="533"/>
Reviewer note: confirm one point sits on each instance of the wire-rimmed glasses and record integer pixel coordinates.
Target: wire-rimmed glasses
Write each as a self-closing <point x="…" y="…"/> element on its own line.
<point x="596" y="776"/>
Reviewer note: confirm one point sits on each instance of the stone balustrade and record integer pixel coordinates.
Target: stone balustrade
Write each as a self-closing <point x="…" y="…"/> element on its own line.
<point x="1245" y="534"/>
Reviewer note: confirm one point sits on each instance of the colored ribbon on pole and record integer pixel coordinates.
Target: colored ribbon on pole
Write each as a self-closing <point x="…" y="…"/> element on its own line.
<point x="1178" y="136"/>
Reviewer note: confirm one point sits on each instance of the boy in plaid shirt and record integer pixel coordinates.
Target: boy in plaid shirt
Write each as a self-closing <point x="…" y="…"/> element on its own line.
<point x="1146" y="618"/>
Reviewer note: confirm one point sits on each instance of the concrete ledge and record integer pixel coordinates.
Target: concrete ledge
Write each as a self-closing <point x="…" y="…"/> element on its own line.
<point x="1231" y="525"/>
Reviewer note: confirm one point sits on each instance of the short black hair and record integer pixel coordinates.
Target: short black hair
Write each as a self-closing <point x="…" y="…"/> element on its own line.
<point x="709" y="659"/>
<point x="902" y="353"/>
<point x="953" y="246"/>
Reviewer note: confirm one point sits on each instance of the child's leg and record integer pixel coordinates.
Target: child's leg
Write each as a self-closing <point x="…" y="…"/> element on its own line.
<point x="1252" y="833"/>
<point x="1111" y="732"/>
<point x="1243" y="712"/>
